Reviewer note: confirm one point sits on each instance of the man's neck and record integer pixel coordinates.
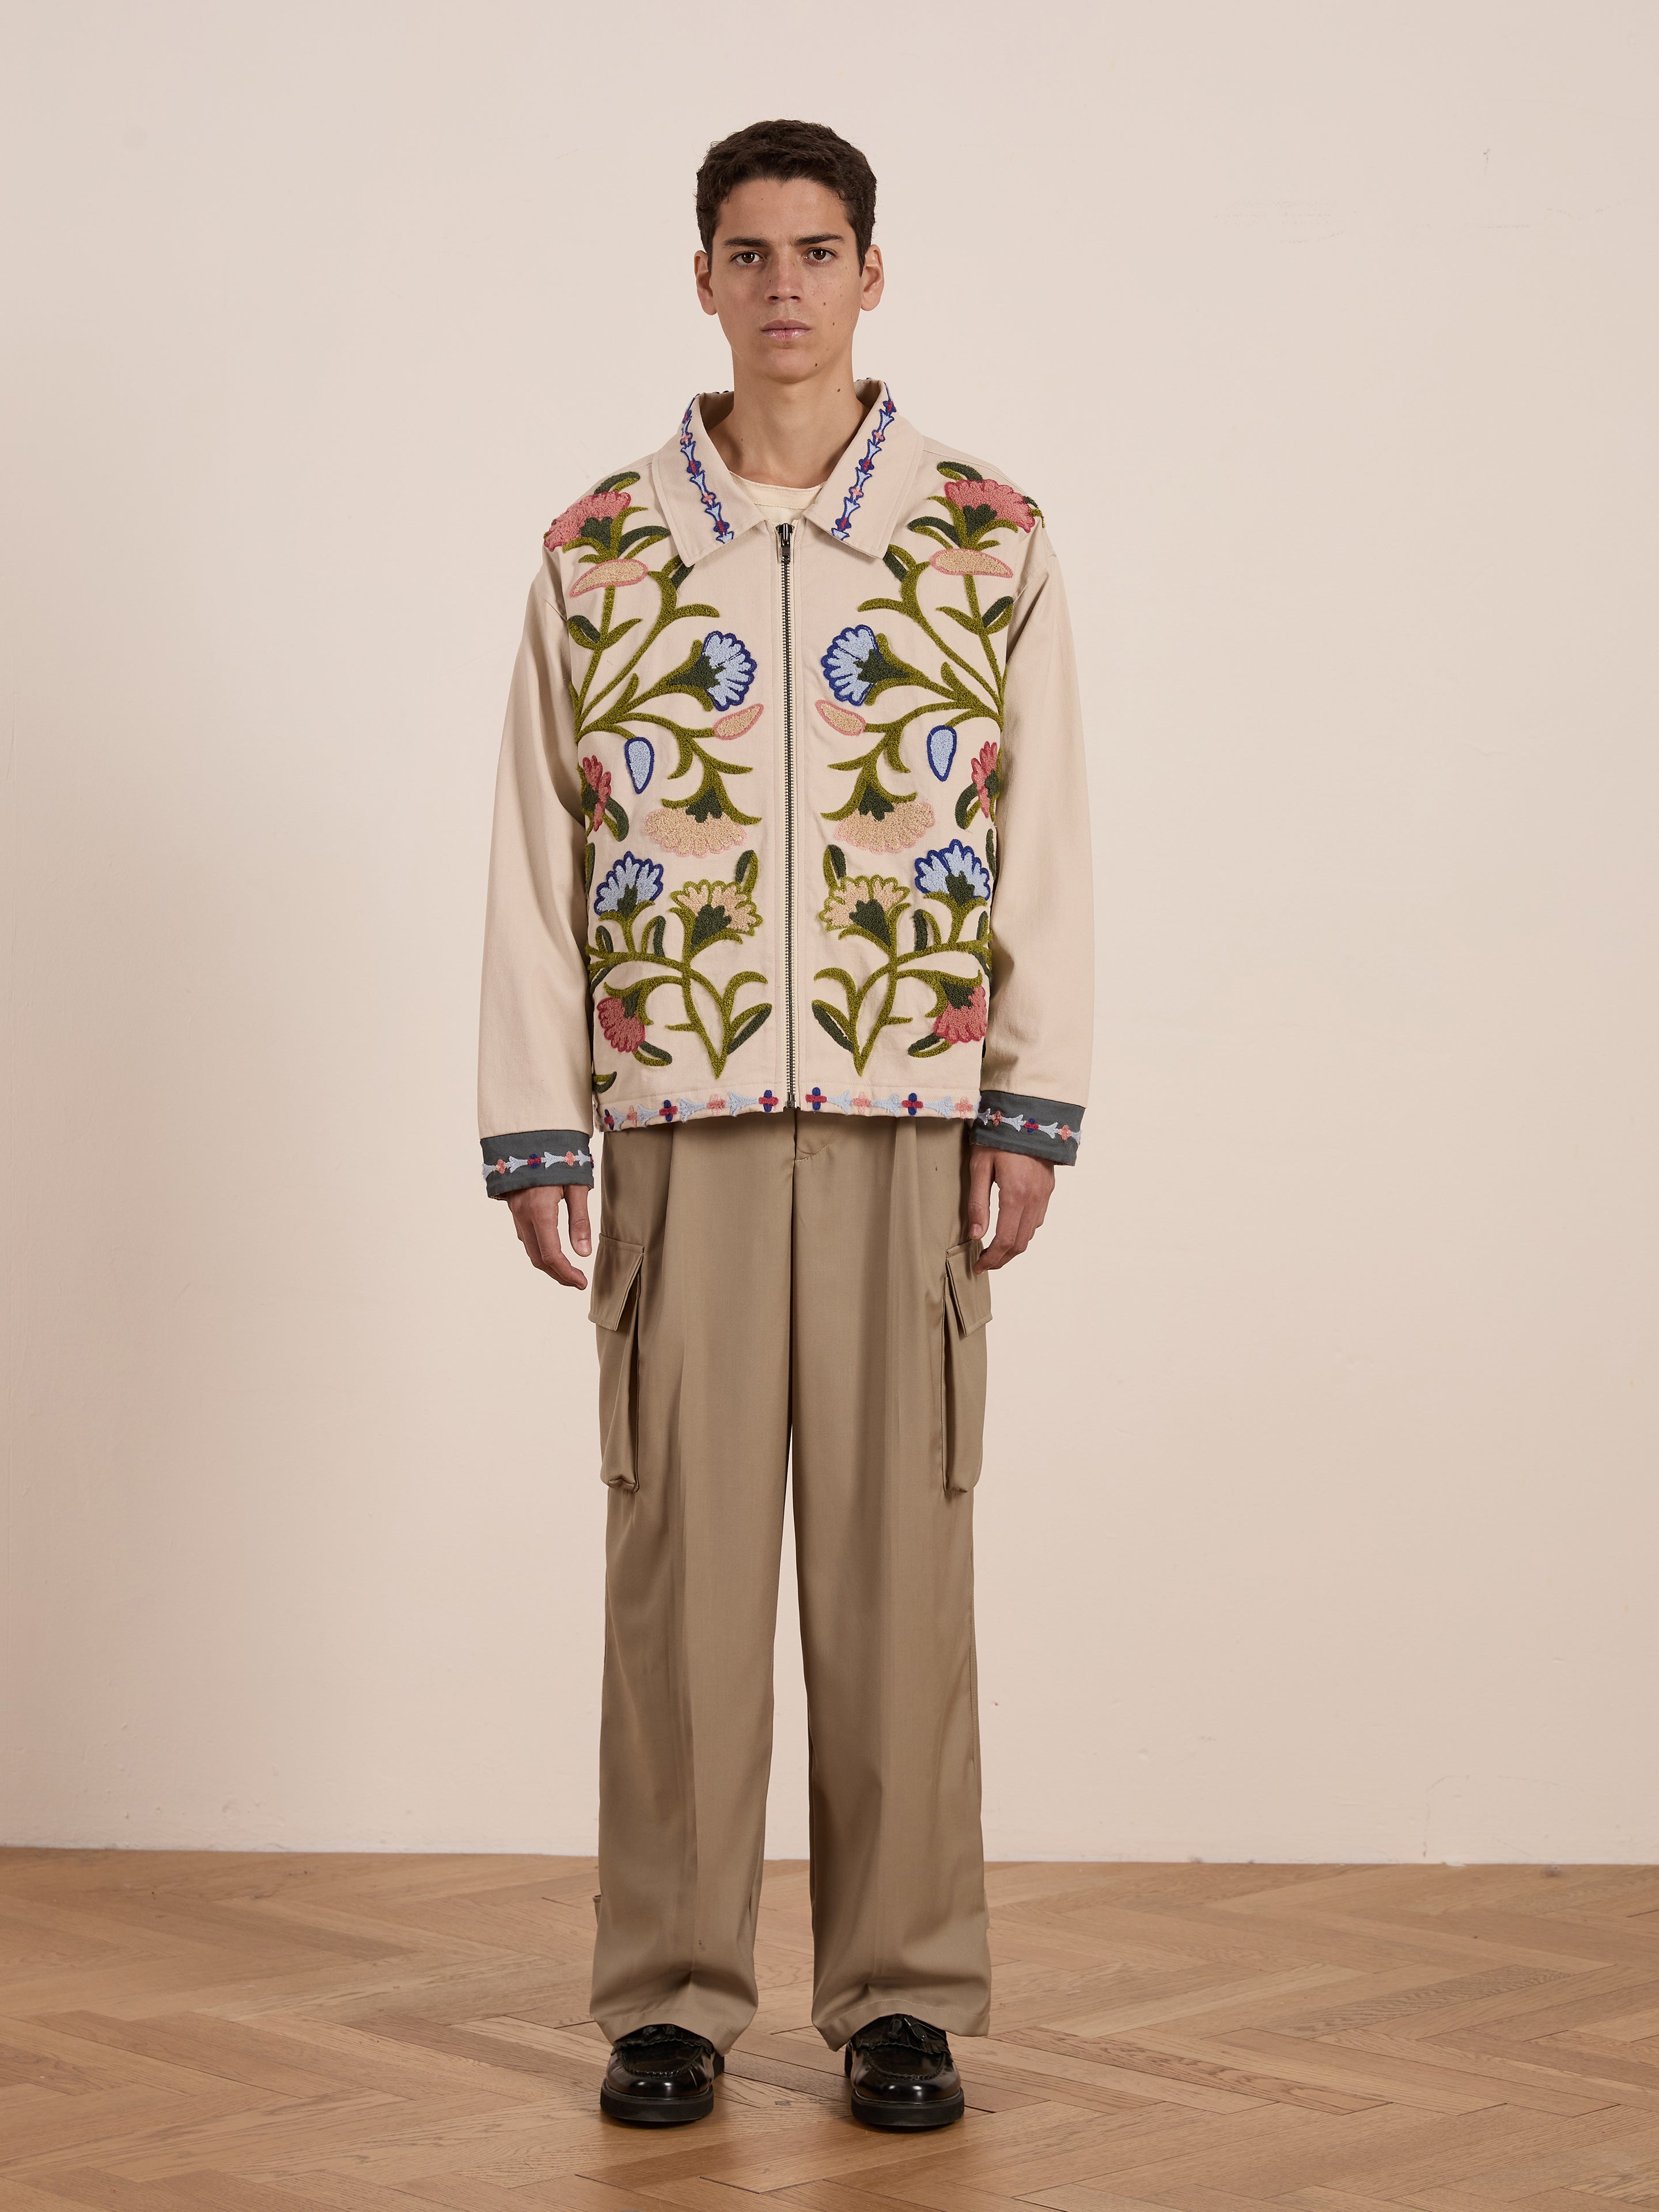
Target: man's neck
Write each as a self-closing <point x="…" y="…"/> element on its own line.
<point x="789" y="433"/>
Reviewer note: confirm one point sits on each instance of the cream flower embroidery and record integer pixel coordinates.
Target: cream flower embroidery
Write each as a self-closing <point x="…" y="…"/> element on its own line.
<point x="673" y="829"/>
<point x="864" y="903"/>
<point x="908" y="822"/>
<point x="712" y="906"/>
<point x="959" y="561"/>
<point x="609" y="576"/>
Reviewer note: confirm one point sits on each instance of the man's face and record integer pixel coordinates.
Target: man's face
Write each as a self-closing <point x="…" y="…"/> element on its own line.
<point x="784" y="280"/>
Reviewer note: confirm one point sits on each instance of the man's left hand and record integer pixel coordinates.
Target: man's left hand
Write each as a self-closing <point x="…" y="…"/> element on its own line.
<point x="1024" y="1188"/>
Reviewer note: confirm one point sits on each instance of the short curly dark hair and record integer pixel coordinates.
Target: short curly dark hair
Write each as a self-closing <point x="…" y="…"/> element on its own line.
<point x="787" y="150"/>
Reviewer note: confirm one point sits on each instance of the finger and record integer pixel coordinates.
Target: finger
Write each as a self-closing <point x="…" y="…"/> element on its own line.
<point x="1033" y="1209"/>
<point x="1036" y="1213"/>
<point x="1006" y="1244"/>
<point x="576" y="1199"/>
<point x="553" y="1260"/>
<point x="979" y="1168"/>
<point x="537" y="1221"/>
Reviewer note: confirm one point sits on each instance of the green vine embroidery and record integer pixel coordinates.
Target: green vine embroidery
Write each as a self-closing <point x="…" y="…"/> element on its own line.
<point x="862" y="662"/>
<point x="873" y="908"/>
<point x="707" y="913"/>
<point x="716" y="673"/>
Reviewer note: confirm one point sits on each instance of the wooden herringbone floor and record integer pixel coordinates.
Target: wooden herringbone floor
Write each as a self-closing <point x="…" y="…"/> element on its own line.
<point x="265" y="2033"/>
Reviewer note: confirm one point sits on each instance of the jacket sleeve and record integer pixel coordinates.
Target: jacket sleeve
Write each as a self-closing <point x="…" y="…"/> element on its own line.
<point x="1035" y="1076"/>
<point x="535" y="1049"/>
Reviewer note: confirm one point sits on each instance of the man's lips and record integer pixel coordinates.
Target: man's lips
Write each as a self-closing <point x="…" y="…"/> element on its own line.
<point x="783" y="330"/>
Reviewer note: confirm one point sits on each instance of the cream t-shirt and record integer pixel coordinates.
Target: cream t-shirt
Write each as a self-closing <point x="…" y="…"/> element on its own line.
<point x="780" y="502"/>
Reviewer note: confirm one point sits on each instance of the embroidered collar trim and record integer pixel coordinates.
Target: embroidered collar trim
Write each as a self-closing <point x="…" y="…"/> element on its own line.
<point x="723" y="532"/>
<point x="842" y="525"/>
<point x="707" y="509"/>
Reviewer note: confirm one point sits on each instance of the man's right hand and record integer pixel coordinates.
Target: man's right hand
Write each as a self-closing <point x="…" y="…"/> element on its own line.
<point x="535" y="1217"/>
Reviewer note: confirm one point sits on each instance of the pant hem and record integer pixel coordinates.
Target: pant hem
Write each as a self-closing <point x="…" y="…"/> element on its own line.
<point x="954" y="2020"/>
<point x="681" y="2011"/>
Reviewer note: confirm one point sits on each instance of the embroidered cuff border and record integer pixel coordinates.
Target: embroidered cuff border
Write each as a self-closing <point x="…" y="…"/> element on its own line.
<point x="1010" y="1121"/>
<point x="528" y="1156"/>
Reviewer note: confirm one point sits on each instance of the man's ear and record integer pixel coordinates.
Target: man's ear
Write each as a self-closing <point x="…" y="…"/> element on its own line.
<point x="874" y="279"/>
<point x="700" y="273"/>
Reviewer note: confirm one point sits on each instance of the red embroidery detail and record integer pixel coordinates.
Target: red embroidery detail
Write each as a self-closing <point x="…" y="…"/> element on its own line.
<point x="600" y="505"/>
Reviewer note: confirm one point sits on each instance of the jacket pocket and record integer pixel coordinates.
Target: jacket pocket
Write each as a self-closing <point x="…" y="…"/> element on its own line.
<point x="614" y="1309"/>
<point x="967" y="1309"/>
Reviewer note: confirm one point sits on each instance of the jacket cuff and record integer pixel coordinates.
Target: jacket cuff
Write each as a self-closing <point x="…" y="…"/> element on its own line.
<point x="529" y="1157"/>
<point x="1010" y="1121"/>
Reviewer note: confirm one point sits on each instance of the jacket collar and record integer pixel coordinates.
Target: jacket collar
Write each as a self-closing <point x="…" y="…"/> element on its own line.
<point x="706" y="508"/>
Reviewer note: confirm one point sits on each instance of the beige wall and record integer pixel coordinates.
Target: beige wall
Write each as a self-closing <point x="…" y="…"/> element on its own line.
<point x="1318" y="1520"/>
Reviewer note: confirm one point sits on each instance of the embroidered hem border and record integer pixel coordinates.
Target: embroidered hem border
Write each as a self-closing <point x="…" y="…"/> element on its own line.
<point x="1010" y="1121"/>
<point x="961" y="1107"/>
<point x="529" y="1157"/>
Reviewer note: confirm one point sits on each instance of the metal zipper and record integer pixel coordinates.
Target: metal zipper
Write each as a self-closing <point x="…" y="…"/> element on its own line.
<point x="785" y="543"/>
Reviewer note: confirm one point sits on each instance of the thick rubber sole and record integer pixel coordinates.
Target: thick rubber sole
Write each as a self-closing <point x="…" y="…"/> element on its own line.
<point x="676" y="2114"/>
<point x="899" y="2120"/>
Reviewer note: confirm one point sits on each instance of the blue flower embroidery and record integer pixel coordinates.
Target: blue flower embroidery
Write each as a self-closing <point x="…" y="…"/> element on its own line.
<point x="844" y="664"/>
<point x="860" y="663"/>
<point x="733" y="668"/>
<point x="955" y="872"/>
<point x="942" y="749"/>
<point x="631" y="883"/>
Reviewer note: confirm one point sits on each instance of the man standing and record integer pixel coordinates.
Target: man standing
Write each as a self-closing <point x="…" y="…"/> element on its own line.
<point x="790" y="894"/>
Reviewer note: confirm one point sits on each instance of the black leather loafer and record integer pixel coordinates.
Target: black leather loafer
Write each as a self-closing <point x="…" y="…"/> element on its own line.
<point x="660" y="2077"/>
<point x="902" y="2074"/>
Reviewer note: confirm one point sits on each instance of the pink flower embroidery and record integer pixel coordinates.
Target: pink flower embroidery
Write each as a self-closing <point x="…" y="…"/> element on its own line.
<point x="959" y="561"/>
<point x="984" y="763"/>
<point x="963" y="1024"/>
<point x="910" y="821"/>
<point x="979" y="491"/>
<point x="567" y="528"/>
<point x="597" y="778"/>
<point x="610" y="576"/>
<point x="624" y="1032"/>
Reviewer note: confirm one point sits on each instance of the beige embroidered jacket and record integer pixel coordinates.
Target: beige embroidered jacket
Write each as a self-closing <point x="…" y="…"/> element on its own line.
<point x="790" y="816"/>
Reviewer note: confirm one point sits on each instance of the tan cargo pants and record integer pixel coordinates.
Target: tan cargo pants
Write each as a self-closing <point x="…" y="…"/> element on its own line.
<point x="803" y="1278"/>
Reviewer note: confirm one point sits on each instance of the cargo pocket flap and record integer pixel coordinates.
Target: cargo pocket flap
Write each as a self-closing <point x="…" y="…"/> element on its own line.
<point x="615" y="1264"/>
<point x="969" y="1293"/>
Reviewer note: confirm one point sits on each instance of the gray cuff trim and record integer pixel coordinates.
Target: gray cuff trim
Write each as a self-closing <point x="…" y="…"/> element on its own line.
<point x="1010" y="1121"/>
<point x="529" y="1157"/>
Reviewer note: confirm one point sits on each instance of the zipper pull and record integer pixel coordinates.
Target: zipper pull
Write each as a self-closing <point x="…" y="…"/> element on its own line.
<point x="785" y="534"/>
